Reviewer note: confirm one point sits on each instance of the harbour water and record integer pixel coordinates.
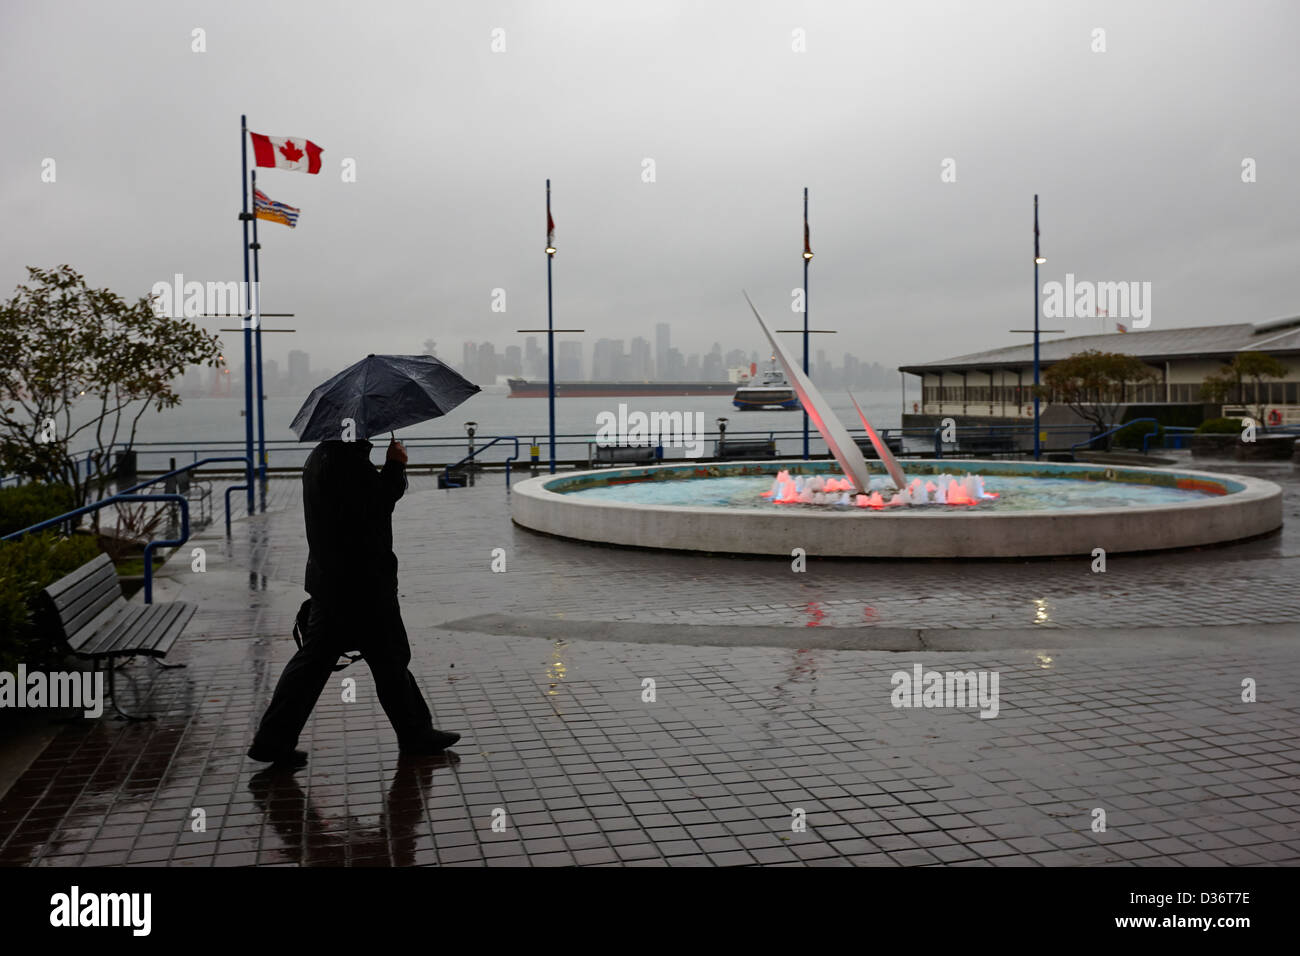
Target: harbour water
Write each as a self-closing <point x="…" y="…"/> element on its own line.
<point x="197" y="421"/>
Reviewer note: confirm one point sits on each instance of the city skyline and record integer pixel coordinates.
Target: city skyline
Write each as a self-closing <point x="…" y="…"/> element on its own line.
<point x="483" y="363"/>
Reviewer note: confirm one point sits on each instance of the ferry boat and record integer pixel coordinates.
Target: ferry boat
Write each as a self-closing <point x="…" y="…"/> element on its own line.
<point x="770" y="391"/>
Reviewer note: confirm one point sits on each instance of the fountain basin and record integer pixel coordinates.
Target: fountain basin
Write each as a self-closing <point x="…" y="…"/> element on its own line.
<point x="1207" y="509"/>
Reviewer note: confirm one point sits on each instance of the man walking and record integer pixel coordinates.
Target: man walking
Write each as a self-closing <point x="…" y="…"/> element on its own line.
<point x="352" y="580"/>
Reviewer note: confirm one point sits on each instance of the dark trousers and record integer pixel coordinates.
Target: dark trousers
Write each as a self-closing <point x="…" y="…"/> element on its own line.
<point x="380" y="636"/>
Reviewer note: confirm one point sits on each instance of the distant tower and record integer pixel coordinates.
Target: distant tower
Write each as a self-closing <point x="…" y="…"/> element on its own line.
<point x="430" y="347"/>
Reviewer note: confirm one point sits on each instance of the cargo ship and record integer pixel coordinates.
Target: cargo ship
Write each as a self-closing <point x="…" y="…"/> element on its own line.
<point x="522" y="388"/>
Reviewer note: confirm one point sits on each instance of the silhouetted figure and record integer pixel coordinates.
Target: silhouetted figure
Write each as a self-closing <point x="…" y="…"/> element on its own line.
<point x="352" y="580"/>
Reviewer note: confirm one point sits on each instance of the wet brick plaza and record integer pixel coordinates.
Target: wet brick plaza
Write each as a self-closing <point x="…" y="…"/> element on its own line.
<point x="771" y="703"/>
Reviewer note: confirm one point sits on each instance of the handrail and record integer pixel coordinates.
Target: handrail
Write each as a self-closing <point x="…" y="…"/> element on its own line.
<point x="1119" y="428"/>
<point x="148" y="548"/>
<point x="191" y="467"/>
<point x="446" y="471"/>
<point x="1168" y="430"/>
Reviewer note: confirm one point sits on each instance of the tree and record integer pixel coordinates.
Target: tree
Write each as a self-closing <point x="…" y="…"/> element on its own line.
<point x="1095" y="384"/>
<point x="1226" y="384"/>
<point x="79" y="367"/>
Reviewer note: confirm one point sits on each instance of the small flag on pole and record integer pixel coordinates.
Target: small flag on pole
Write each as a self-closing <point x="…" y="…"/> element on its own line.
<point x="286" y="152"/>
<point x="550" y="225"/>
<point x="807" y="243"/>
<point x="264" y="207"/>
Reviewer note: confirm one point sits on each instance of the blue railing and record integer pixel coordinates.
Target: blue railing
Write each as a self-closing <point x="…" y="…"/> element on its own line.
<point x="148" y="548"/>
<point x="242" y="459"/>
<point x="989" y="431"/>
<point x="1119" y="428"/>
<point x="446" y="472"/>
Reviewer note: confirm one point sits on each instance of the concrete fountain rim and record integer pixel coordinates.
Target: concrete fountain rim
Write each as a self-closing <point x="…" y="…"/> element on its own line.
<point x="1249" y="507"/>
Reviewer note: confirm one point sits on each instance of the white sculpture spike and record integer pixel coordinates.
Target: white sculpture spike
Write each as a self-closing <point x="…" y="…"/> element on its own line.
<point x="886" y="456"/>
<point x="838" y="440"/>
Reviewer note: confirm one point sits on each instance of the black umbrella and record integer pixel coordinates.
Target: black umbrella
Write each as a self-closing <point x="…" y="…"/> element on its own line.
<point x="381" y="393"/>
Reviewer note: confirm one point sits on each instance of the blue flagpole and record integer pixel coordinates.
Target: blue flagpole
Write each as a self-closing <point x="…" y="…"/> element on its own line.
<point x="806" y="260"/>
<point x="248" y="331"/>
<point x="257" y="318"/>
<point x="1037" y="258"/>
<point x="550" y="333"/>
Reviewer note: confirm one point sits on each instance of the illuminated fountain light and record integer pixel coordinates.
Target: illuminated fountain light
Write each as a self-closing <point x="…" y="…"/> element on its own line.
<point x="790" y="489"/>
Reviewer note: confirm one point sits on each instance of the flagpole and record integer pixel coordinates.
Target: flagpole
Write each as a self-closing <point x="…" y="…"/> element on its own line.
<point x="807" y="257"/>
<point x="248" y="332"/>
<point x="550" y="330"/>
<point x="1037" y="260"/>
<point x="257" y="318"/>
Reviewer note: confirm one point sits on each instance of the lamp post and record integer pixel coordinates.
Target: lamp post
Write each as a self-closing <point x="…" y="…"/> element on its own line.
<point x="1038" y="261"/>
<point x="722" y="435"/>
<point x="550" y="330"/>
<point x="550" y="324"/>
<point x="807" y="258"/>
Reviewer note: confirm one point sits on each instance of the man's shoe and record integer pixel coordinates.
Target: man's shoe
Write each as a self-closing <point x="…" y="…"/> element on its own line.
<point x="436" y="743"/>
<point x="284" y="759"/>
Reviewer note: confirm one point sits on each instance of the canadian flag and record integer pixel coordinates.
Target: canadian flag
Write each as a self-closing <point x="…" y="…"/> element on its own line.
<point x="286" y="152"/>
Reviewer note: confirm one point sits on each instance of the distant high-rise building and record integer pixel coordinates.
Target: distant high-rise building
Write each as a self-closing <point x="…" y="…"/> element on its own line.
<point x="608" y="361"/>
<point x="534" y="359"/>
<point x="663" y="346"/>
<point x="676" y="371"/>
<point x="512" y="361"/>
<point x="639" y="361"/>
<point x="568" y="361"/>
<point x="299" y="382"/>
<point x="270" y="377"/>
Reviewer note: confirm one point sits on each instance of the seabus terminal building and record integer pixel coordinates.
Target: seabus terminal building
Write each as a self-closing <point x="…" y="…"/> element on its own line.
<point x="996" y="387"/>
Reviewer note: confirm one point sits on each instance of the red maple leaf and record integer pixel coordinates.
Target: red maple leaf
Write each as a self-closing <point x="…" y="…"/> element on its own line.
<point x="291" y="152"/>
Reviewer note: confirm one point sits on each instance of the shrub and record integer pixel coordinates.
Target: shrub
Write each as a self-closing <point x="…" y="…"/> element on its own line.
<point x="26" y="567"/>
<point x="30" y="504"/>
<point x="1219" y="426"/>
<point x="1132" y="436"/>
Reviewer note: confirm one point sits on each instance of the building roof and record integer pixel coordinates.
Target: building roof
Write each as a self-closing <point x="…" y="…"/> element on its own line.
<point x="1199" y="342"/>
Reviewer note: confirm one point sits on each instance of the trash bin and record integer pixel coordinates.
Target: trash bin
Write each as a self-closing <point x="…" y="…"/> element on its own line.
<point x="124" y="469"/>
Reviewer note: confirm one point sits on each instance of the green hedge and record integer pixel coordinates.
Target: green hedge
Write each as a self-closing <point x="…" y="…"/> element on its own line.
<point x="1219" y="426"/>
<point x="30" y="504"/>
<point x="27" y="566"/>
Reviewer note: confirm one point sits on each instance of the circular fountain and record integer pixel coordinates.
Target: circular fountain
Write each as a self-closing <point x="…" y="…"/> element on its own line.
<point x="1015" y="509"/>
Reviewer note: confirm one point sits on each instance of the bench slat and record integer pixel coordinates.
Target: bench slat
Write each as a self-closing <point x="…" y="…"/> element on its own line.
<point x="73" y="580"/>
<point x="151" y="627"/>
<point x="83" y="613"/>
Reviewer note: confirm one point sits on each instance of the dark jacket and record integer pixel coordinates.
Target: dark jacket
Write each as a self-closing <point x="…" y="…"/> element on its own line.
<point x="349" y="513"/>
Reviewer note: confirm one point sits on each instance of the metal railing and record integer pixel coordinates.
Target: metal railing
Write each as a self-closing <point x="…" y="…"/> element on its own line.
<point x="1119" y="428"/>
<point x="243" y="459"/>
<point x="148" y="548"/>
<point x="446" y="472"/>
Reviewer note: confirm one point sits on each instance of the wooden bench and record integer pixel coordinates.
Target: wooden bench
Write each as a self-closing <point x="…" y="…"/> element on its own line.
<point x="622" y="455"/>
<point x="745" y="450"/>
<point x="84" y="613"/>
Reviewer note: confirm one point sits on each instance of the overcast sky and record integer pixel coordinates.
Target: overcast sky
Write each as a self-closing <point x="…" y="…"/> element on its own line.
<point x="1136" y="151"/>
